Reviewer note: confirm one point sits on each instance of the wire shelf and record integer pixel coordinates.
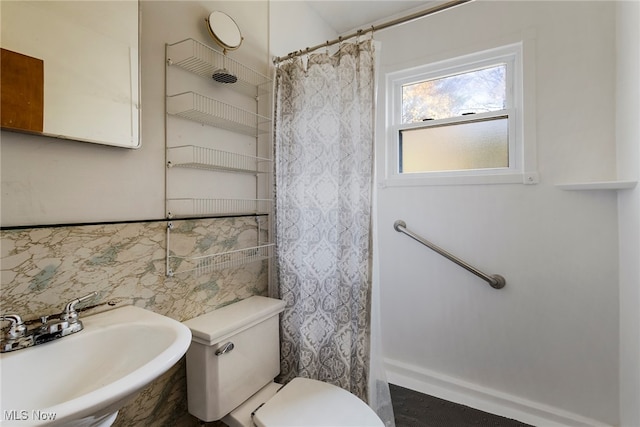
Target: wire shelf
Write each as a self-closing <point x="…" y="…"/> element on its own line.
<point x="210" y="263"/>
<point x="202" y="60"/>
<point x="212" y="207"/>
<point x="209" y="111"/>
<point x="192" y="156"/>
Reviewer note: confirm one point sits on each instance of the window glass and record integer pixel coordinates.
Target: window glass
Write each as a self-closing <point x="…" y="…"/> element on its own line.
<point x="482" y="144"/>
<point x="472" y="92"/>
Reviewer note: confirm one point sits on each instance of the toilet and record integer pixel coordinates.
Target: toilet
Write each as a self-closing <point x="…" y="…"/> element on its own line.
<point x="231" y="365"/>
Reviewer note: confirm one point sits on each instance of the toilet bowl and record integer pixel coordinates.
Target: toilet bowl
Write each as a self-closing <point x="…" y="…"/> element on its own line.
<point x="231" y="365"/>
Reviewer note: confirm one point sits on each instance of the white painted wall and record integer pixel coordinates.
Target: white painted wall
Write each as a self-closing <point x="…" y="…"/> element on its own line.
<point x="628" y="143"/>
<point x="545" y="348"/>
<point x="294" y="26"/>
<point x="53" y="181"/>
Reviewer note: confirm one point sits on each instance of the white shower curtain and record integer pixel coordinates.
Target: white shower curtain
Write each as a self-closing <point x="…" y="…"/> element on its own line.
<point x="324" y="151"/>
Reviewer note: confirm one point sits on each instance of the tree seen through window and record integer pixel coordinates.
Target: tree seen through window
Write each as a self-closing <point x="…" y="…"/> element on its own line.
<point x="471" y="92"/>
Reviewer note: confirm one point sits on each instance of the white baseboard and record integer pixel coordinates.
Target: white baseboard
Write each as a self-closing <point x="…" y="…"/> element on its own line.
<point x="482" y="398"/>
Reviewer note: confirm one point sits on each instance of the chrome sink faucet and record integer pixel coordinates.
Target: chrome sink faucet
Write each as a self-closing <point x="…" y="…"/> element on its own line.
<point x="17" y="336"/>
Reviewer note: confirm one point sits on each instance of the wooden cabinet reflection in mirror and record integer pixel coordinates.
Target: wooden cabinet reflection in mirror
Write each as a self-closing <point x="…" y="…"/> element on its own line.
<point x="22" y="83"/>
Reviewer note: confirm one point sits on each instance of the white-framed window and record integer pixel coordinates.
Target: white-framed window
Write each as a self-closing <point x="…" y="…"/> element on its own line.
<point x="458" y="121"/>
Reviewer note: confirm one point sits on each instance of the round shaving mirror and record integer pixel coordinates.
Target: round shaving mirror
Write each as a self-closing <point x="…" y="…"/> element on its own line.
<point x="224" y="30"/>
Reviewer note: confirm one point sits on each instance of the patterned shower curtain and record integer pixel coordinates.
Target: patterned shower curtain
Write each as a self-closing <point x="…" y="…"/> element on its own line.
<point x="323" y="190"/>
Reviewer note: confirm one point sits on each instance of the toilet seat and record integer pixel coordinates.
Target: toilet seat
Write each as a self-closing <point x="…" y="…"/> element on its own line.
<point x="312" y="403"/>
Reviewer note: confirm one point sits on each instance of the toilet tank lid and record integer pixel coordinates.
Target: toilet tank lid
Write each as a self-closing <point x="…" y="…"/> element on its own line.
<point x="220" y="324"/>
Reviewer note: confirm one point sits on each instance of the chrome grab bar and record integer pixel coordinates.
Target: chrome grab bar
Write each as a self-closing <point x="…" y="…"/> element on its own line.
<point x="496" y="281"/>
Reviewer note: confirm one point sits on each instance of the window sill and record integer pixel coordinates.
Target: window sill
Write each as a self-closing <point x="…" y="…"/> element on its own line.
<point x="416" y="181"/>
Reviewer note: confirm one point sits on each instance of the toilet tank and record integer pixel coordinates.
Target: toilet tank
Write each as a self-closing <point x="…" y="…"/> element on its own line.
<point x="217" y="384"/>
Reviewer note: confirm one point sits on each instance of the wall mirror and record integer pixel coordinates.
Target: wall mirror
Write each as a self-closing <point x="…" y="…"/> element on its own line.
<point x="85" y="57"/>
<point x="224" y="30"/>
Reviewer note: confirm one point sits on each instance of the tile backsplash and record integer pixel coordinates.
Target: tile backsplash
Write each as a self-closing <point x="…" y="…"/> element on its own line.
<point x="44" y="268"/>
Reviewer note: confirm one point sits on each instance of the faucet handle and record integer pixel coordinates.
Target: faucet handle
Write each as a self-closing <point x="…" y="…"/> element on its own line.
<point x="16" y="335"/>
<point x="70" y="314"/>
<point x="17" y="328"/>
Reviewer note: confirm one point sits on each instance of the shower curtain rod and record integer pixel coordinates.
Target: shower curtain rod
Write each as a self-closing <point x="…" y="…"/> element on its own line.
<point x="373" y="28"/>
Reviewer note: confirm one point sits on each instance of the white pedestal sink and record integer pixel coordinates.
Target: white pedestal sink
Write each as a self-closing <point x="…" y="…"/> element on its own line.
<point x="85" y="378"/>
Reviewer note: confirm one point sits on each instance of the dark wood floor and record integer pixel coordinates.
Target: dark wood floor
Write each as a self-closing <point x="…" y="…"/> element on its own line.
<point x="413" y="409"/>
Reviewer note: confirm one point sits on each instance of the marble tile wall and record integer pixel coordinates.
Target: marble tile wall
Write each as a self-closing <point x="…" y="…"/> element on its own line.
<point x="44" y="268"/>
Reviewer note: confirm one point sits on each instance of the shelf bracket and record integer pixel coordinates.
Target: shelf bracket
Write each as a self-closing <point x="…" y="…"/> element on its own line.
<point x="168" y="267"/>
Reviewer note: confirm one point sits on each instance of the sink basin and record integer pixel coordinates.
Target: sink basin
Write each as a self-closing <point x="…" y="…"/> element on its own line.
<point x="85" y="378"/>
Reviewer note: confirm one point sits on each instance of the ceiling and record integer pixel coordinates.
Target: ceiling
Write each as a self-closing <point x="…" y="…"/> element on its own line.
<point x="350" y="15"/>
